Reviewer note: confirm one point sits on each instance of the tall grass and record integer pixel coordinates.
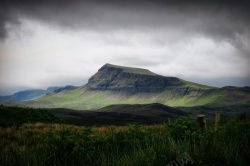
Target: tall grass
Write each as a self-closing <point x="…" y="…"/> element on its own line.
<point x="132" y="145"/>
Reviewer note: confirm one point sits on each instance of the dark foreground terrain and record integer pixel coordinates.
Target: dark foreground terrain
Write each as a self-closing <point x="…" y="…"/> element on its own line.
<point x="144" y="113"/>
<point x="120" y="114"/>
<point x="141" y="145"/>
<point x="115" y="114"/>
<point x="24" y="140"/>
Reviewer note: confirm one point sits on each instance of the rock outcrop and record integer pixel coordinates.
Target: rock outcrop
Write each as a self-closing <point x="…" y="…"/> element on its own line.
<point x="66" y="88"/>
<point x="130" y="80"/>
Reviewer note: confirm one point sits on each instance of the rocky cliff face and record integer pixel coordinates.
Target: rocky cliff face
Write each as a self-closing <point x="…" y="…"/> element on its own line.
<point x="130" y="80"/>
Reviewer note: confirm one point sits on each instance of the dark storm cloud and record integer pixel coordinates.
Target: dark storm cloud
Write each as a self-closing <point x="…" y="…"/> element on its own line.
<point x="207" y="41"/>
<point x="220" y="19"/>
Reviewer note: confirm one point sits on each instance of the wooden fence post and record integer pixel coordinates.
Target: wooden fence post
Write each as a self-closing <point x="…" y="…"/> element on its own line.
<point x="201" y="120"/>
<point x="217" y="119"/>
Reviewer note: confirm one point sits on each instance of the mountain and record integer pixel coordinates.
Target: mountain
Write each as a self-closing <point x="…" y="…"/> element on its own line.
<point x="36" y="93"/>
<point x="23" y="95"/>
<point x="114" y="84"/>
<point x="52" y="89"/>
<point x="66" y="88"/>
<point x="28" y="94"/>
<point x="134" y="80"/>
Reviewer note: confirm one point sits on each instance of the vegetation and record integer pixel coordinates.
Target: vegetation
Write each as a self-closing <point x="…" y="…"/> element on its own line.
<point x="10" y="116"/>
<point x="81" y="99"/>
<point x="134" y="144"/>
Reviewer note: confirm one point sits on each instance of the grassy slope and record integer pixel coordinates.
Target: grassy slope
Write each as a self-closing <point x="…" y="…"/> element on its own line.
<point x="81" y="99"/>
<point x="195" y="85"/>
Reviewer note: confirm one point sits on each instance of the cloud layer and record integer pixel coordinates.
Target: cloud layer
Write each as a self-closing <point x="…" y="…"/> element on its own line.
<point x="59" y="42"/>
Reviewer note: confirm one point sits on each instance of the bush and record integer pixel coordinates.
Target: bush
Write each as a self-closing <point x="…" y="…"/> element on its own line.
<point x="184" y="127"/>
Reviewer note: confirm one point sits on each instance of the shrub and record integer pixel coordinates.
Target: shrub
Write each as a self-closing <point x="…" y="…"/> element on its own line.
<point x="183" y="127"/>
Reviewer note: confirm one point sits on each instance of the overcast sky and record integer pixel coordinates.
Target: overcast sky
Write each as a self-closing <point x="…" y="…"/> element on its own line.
<point x="63" y="42"/>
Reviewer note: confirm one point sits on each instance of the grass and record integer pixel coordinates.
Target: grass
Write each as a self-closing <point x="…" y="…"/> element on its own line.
<point x="195" y="85"/>
<point x="134" y="144"/>
<point x="81" y="99"/>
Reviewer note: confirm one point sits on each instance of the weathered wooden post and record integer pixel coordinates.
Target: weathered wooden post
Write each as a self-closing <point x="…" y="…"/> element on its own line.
<point x="201" y="120"/>
<point x="217" y="119"/>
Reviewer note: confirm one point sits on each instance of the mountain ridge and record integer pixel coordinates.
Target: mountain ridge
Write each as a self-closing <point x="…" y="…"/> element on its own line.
<point x="24" y="95"/>
<point x="134" y="80"/>
<point x="35" y="93"/>
<point x="125" y="85"/>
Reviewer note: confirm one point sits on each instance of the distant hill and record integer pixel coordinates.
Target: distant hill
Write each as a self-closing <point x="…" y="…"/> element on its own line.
<point x="35" y="93"/>
<point x="52" y="89"/>
<point x="28" y="94"/>
<point x="114" y="84"/>
<point x="24" y="95"/>
<point x="66" y="88"/>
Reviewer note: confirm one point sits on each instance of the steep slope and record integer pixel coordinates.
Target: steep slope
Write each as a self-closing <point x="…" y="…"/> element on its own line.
<point x="123" y="85"/>
<point x="133" y="80"/>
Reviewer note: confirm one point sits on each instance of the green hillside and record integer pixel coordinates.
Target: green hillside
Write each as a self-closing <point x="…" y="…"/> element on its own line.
<point x="124" y="85"/>
<point x="82" y="99"/>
